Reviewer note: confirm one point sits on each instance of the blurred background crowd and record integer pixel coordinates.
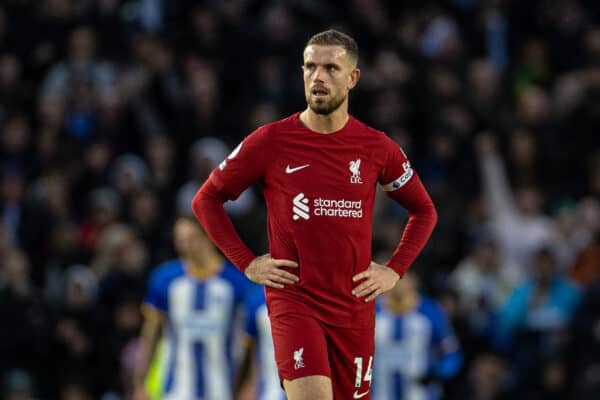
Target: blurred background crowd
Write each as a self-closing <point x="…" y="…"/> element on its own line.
<point x="113" y="112"/>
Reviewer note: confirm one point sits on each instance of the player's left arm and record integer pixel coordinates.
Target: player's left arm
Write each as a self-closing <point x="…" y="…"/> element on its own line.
<point x="402" y="184"/>
<point x="422" y="218"/>
<point x="449" y="358"/>
<point x="154" y="310"/>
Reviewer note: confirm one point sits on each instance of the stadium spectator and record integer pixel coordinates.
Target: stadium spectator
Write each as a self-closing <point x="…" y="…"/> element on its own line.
<point x="516" y="219"/>
<point x="531" y="324"/>
<point x="583" y="348"/>
<point x="488" y="378"/>
<point x="482" y="284"/>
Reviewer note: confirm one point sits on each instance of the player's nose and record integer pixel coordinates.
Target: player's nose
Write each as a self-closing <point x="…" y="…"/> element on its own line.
<point x="318" y="74"/>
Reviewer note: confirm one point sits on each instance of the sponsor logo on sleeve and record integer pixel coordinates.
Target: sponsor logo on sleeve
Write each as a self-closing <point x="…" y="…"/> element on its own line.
<point x="235" y="151"/>
<point x="402" y="180"/>
<point x="232" y="155"/>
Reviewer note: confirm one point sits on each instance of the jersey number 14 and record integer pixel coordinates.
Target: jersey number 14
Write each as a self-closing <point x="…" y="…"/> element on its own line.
<point x="358" y="361"/>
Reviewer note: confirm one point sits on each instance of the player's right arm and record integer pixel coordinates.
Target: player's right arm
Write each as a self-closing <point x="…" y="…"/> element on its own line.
<point x="154" y="309"/>
<point x="243" y="167"/>
<point x="150" y="333"/>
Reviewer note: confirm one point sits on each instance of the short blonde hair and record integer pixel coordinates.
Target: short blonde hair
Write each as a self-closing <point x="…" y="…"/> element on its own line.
<point x="331" y="37"/>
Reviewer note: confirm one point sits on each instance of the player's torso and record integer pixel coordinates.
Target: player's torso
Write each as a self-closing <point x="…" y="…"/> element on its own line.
<point x="402" y="352"/>
<point x="199" y="326"/>
<point x="320" y="191"/>
<point x="329" y="179"/>
<point x="321" y="185"/>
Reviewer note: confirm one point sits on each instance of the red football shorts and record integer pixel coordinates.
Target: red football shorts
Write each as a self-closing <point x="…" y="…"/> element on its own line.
<point x="305" y="346"/>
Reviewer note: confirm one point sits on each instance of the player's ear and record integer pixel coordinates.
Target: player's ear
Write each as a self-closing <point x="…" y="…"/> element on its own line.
<point x="353" y="78"/>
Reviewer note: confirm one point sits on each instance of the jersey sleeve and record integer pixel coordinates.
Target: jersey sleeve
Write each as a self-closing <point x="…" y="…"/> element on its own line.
<point x="403" y="185"/>
<point x="156" y="293"/>
<point x="245" y="165"/>
<point x="396" y="171"/>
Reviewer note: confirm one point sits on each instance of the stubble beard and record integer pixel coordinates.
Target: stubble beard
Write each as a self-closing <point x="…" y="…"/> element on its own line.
<point x="325" y="107"/>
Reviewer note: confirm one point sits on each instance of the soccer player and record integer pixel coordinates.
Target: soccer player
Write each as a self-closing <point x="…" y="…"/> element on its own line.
<point x="319" y="170"/>
<point x="415" y="346"/>
<point x="192" y="300"/>
<point x="259" y="352"/>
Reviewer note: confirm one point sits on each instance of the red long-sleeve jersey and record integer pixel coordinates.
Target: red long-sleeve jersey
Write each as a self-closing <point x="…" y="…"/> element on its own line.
<point x="319" y="191"/>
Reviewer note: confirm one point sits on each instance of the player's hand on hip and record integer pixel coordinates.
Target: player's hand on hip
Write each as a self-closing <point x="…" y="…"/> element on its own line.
<point x="376" y="279"/>
<point x="267" y="271"/>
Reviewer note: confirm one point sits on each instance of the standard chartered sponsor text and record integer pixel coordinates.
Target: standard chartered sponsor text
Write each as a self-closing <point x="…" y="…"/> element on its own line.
<point x="337" y="208"/>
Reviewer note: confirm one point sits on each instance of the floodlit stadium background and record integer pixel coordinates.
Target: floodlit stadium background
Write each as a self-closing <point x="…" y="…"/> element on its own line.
<point x="112" y="113"/>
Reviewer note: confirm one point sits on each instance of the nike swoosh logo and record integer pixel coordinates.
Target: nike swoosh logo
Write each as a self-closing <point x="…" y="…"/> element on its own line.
<point x="289" y="170"/>
<point x="360" y="395"/>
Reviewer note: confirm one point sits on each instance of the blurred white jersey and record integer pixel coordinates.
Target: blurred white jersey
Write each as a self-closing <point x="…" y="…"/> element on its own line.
<point x="197" y="337"/>
<point x="408" y="347"/>
<point x="258" y="327"/>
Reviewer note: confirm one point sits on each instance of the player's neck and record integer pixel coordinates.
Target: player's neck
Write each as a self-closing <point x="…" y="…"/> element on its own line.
<point x="407" y="305"/>
<point x="205" y="268"/>
<point x="325" y="124"/>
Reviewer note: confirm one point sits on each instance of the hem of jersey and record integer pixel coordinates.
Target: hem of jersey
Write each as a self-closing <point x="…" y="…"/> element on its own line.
<point x="343" y="323"/>
<point x="299" y="375"/>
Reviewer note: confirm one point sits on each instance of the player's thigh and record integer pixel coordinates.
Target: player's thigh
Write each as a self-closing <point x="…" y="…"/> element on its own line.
<point x="309" y="388"/>
<point x="300" y="347"/>
<point x="351" y="361"/>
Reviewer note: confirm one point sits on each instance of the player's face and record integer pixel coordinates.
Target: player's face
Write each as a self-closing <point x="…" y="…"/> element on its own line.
<point x="329" y="74"/>
<point x="182" y="236"/>
<point x="188" y="237"/>
<point x="404" y="293"/>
